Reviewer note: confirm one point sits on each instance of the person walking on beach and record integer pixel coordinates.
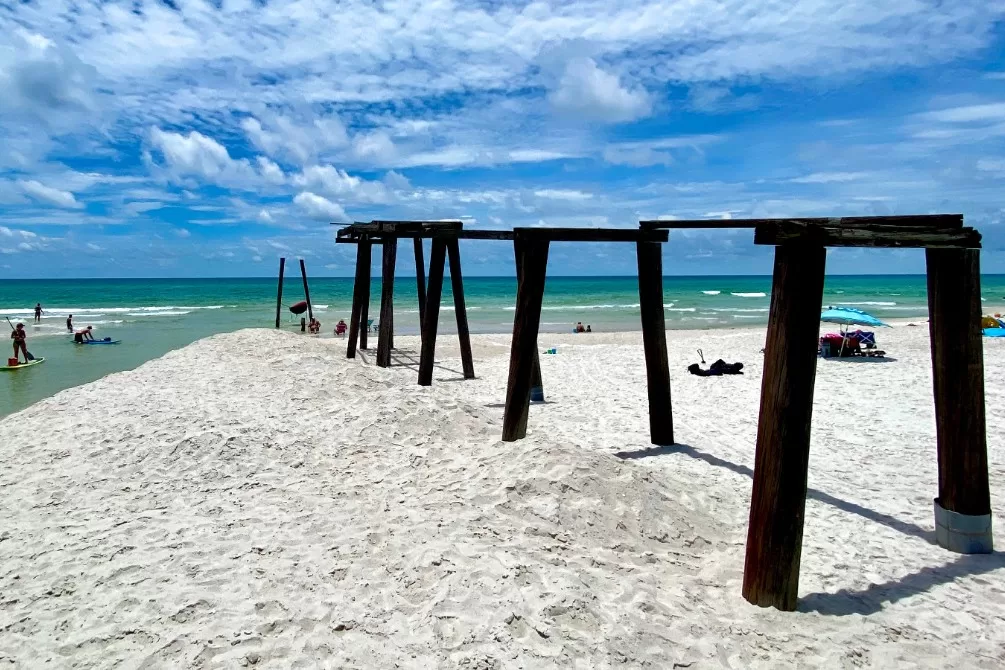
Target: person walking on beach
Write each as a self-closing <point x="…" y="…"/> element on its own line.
<point x="83" y="334"/>
<point x="69" y="323"/>
<point x="38" y="312"/>
<point x="20" y="337"/>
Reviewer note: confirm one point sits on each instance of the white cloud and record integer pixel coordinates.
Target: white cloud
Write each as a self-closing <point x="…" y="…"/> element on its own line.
<point x="284" y="137"/>
<point x="182" y="232"/>
<point x="563" y="194"/>
<point x="48" y="195"/>
<point x="830" y="177"/>
<point x="335" y="182"/>
<point x="995" y="165"/>
<point x="320" y="208"/>
<point x="196" y="154"/>
<point x="590" y="93"/>
<point x="271" y="172"/>
<point x="968" y="113"/>
<point x="94" y="247"/>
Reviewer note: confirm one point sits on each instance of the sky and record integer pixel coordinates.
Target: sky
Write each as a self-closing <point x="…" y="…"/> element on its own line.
<point x="186" y="138"/>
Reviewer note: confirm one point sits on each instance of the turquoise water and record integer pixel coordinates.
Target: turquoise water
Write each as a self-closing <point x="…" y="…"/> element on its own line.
<point x="152" y="317"/>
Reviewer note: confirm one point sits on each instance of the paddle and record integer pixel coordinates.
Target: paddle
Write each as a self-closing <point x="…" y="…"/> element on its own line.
<point x="27" y="353"/>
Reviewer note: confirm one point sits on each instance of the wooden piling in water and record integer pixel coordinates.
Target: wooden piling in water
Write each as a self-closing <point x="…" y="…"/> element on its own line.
<point x="279" y="295"/>
<point x="778" y="500"/>
<point x="307" y="291"/>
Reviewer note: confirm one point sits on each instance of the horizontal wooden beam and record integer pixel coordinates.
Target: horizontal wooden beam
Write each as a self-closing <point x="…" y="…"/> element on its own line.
<point x="590" y="234"/>
<point x="430" y="234"/>
<point x="919" y="220"/>
<point x="868" y="236"/>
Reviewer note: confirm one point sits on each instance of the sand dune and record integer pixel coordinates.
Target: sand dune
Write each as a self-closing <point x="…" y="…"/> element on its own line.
<point x="256" y="499"/>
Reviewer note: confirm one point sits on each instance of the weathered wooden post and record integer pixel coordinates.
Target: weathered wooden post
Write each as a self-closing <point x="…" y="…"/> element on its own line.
<point x="366" y="248"/>
<point x="420" y="278"/>
<point x="526" y="323"/>
<point x="536" y="379"/>
<point x="307" y="292"/>
<point x="650" y="259"/>
<point x="778" y="500"/>
<point x="430" y="321"/>
<point x="385" y="339"/>
<point x="360" y="283"/>
<point x="279" y="296"/>
<point x="963" y="508"/>
<point x="460" y="310"/>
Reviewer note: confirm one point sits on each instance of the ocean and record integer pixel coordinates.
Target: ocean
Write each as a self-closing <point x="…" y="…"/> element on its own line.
<point x="154" y="316"/>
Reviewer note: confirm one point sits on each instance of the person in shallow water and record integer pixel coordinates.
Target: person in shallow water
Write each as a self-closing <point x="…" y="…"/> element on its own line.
<point x="69" y="323"/>
<point x="83" y="334"/>
<point x="38" y="312"/>
<point x="20" y="345"/>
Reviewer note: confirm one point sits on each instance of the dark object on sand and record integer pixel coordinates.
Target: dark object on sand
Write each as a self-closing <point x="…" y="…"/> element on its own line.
<point x="716" y="369"/>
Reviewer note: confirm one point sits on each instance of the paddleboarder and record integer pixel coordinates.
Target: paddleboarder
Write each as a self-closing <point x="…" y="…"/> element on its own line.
<point x="20" y="336"/>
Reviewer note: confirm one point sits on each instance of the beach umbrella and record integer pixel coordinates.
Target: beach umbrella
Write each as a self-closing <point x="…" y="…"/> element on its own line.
<point x="849" y="316"/>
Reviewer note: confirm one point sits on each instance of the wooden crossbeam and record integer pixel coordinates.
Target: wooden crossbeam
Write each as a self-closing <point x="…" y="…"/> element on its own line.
<point x="427" y="234"/>
<point x="867" y="235"/>
<point x="590" y="235"/>
<point x="918" y="220"/>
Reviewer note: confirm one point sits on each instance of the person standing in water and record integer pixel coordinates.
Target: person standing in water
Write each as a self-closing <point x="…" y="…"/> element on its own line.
<point x="38" y="312"/>
<point x="83" y="334"/>
<point x="69" y="323"/>
<point x="20" y="341"/>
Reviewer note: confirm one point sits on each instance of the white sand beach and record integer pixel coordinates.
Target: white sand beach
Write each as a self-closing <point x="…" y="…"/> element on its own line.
<point x="256" y="499"/>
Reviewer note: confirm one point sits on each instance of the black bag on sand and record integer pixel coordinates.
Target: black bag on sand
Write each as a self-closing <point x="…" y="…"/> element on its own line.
<point x="716" y="369"/>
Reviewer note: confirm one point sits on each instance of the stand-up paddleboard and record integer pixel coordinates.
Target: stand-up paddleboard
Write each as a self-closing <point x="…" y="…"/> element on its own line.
<point x="106" y="341"/>
<point x="22" y="365"/>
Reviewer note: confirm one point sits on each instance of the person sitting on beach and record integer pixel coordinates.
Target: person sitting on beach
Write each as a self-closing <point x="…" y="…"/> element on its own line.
<point x="315" y="326"/>
<point x="20" y="337"/>
<point x="340" y="328"/>
<point x="83" y="334"/>
<point x="38" y="312"/>
<point x="579" y="327"/>
<point x="69" y="323"/>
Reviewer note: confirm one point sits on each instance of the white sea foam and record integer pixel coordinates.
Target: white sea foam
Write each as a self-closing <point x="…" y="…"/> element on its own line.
<point x="758" y="294"/>
<point x="711" y="292"/>
<point x="873" y="303"/>
<point x="681" y="309"/>
<point x="175" y="312"/>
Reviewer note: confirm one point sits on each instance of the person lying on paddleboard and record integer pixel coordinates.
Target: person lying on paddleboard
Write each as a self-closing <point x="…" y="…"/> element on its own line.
<point x="19" y="337"/>
<point x="83" y="334"/>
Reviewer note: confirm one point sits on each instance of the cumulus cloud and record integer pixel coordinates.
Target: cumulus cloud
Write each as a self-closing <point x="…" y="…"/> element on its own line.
<point x="590" y="93"/>
<point x="319" y="208"/>
<point x="196" y="155"/>
<point x="335" y="182"/>
<point x="49" y="195"/>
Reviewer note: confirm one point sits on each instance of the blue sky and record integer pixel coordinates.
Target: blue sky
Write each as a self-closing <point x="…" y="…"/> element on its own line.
<point x="207" y="138"/>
